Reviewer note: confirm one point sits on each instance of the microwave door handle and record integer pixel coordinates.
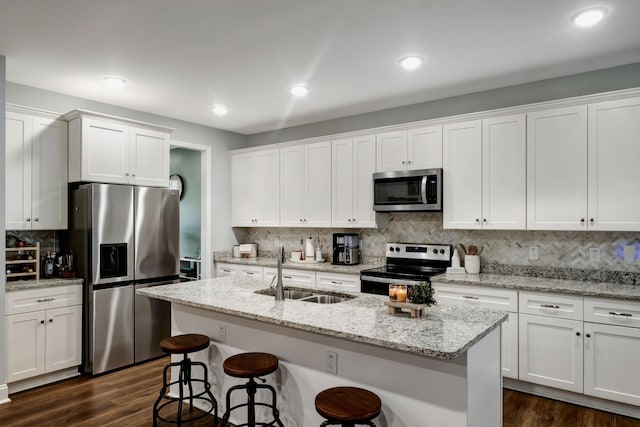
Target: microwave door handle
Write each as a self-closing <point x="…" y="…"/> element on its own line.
<point x="424" y="190"/>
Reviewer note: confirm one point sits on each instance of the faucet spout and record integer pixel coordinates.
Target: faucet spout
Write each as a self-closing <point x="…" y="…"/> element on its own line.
<point x="279" y="286"/>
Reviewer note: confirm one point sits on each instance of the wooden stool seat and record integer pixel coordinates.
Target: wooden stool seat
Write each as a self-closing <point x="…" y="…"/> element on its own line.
<point x="187" y="343"/>
<point x="348" y="404"/>
<point x="247" y="365"/>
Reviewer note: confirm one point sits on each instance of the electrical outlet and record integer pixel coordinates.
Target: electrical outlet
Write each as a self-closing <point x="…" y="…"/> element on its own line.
<point x="221" y="333"/>
<point x="594" y="254"/>
<point x="629" y="253"/>
<point x="331" y="362"/>
<point x="533" y="253"/>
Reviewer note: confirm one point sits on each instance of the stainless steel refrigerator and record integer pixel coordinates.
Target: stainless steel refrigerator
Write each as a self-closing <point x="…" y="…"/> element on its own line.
<point x="125" y="238"/>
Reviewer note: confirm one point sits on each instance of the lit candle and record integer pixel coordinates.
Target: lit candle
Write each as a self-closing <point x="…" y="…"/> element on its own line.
<point x="392" y="292"/>
<point x="401" y="293"/>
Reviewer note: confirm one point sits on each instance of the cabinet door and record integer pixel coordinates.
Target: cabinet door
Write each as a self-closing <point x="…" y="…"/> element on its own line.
<point x="342" y="182"/>
<point x="243" y="184"/>
<point x="614" y="150"/>
<point x="317" y="192"/>
<point x="292" y="187"/>
<point x="105" y="152"/>
<point x="462" y="175"/>
<point x="63" y="339"/>
<point x="510" y="346"/>
<point x="364" y="166"/>
<point x="550" y="352"/>
<point x="557" y="169"/>
<point x="149" y="158"/>
<point x="25" y="345"/>
<point x="267" y="188"/>
<point x="49" y="172"/>
<point x="391" y="151"/>
<point x="611" y="362"/>
<point x="424" y="148"/>
<point x="504" y="173"/>
<point x="18" y="171"/>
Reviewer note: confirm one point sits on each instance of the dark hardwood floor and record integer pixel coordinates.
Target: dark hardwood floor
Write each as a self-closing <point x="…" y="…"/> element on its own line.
<point x="125" y="398"/>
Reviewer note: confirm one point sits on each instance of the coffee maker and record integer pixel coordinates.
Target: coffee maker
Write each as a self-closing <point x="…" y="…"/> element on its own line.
<point x="346" y="249"/>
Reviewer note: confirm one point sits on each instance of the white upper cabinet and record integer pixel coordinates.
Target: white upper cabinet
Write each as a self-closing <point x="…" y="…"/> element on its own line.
<point x="418" y="148"/>
<point x="353" y="164"/>
<point x="462" y="175"/>
<point x="614" y="154"/>
<point x="115" y="151"/>
<point x="305" y="185"/>
<point x="504" y="176"/>
<point x="557" y="169"/>
<point x="255" y="188"/>
<point x="36" y="169"/>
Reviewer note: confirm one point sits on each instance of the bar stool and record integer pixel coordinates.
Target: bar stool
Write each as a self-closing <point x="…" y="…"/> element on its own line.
<point x="184" y="344"/>
<point x="348" y="406"/>
<point x="251" y="366"/>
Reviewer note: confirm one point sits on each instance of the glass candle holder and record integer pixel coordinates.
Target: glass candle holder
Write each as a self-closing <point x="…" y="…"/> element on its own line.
<point x="398" y="293"/>
<point x="393" y="289"/>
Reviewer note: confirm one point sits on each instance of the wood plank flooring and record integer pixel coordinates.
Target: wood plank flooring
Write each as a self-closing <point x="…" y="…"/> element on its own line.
<point x="125" y="398"/>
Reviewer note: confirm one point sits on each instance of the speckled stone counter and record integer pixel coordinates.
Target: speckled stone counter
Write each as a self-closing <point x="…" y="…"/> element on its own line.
<point x="20" y="285"/>
<point x="446" y="332"/>
<point x="272" y="262"/>
<point x="574" y="287"/>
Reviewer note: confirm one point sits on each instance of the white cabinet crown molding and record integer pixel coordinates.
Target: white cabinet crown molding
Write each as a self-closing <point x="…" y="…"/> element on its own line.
<point x="74" y="114"/>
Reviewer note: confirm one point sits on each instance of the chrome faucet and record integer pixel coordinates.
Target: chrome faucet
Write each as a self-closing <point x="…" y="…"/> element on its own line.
<point x="279" y="286"/>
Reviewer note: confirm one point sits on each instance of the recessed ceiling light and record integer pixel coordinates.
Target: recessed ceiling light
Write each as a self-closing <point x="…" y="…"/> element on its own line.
<point x="589" y="17"/>
<point x="114" y="82"/>
<point x="411" y="62"/>
<point x="299" y="90"/>
<point x="220" y="110"/>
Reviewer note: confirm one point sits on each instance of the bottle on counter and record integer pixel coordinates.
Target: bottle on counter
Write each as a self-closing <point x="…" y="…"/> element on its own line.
<point x="318" y="250"/>
<point x="302" y="250"/>
<point x="309" y="250"/>
<point x="48" y="265"/>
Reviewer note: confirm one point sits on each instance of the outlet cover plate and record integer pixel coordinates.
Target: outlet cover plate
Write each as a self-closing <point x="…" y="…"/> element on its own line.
<point x="629" y="253"/>
<point x="594" y="254"/>
<point x="331" y="362"/>
<point x="533" y="253"/>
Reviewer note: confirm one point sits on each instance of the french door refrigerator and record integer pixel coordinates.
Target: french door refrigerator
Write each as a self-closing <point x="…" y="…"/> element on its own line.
<point x="125" y="238"/>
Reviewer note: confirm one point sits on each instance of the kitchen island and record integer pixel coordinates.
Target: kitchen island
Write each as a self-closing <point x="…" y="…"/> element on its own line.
<point x="442" y="369"/>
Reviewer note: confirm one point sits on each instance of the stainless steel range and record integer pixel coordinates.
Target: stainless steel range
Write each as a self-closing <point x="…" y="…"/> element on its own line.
<point x="407" y="264"/>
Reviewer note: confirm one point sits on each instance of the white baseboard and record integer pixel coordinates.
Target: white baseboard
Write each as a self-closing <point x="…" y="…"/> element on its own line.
<point x="4" y="394"/>
<point x="574" y="398"/>
<point x="42" y="380"/>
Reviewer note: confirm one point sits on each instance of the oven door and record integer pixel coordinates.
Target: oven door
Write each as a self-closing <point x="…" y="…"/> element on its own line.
<point x="380" y="285"/>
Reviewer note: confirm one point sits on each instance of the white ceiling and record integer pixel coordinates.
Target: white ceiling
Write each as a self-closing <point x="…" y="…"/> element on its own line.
<point x="181" y="57"/>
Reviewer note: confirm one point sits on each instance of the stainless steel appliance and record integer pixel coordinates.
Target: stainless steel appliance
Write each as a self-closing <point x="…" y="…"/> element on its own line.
<point x="406" y="264"/>
<point x="125" y="238"/>
<point x="346" y="249"/>
<point x="414" y="190"/>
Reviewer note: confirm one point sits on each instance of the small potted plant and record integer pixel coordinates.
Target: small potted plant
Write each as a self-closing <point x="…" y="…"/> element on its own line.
<point x="422" y="293"/>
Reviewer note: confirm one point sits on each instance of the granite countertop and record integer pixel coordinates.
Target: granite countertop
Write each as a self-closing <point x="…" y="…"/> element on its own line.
<point x="21" y="285"/>
<point x="446" y="332"/>
<point x="573" y="287"/>
<point x="326" y="267"/>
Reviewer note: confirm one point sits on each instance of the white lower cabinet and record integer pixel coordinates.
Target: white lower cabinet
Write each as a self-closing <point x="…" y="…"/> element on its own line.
<point x="43" y="334"/>
<point x="338" y="282"/>
<point x="291" y="277"/>
<point x="226" y="269"/>
<point x="497" y="299"/>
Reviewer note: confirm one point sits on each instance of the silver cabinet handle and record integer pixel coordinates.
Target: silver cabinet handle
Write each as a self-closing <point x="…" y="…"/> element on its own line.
<point x="469" y="297"/>
<point x="336" y="282"/>
<point x="45" y="299"/>
<point x="287" y="277"/>
<point x="549" y="306"/>
<point x="616" y="313"/>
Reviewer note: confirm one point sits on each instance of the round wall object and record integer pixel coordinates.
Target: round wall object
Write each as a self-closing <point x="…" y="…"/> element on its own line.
<point x="176" y="182"/>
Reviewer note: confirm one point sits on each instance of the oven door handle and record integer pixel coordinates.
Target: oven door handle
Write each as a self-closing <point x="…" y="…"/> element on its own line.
<point x="423" y="189"/>
<point x="388" y="280"/>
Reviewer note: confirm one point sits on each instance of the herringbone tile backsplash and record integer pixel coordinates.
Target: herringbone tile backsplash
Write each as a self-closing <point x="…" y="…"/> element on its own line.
<point x="561" y="249"/>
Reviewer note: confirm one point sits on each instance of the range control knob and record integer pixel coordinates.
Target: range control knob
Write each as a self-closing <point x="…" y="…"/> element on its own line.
<point x="397" y="249"/>
<point x="435" y="251"/>
<point x="442" y="251"/>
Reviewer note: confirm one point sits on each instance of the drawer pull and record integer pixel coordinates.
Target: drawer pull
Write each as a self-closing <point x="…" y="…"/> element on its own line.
<point x="615" y="313"/>
<point x="250" y="273"/>
<point x="549" y="306"/>
<point x="469" y="297"/>
<point x="336" y="282"/>
<point x="287" y="277"/>
<point x="46" y="300"/>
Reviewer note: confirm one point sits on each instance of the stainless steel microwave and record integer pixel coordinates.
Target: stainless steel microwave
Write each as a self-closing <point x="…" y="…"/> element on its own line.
<point x="414" y="190"/>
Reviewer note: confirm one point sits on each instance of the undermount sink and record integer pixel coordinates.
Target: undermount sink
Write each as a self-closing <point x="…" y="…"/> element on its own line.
<point x="307" y="296"/>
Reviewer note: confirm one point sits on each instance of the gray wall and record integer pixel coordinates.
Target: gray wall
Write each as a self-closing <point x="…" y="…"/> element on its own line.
<point x="186" y="163"/>
<point x="220" y="141"/>
<point x="623" y="77"/>
<point x="2" y="225"/>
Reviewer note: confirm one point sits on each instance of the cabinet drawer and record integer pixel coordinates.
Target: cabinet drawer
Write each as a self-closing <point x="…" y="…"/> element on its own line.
<point x="305" y="279"/>
<point x="498" y="299"/>
<point x="43" y="299"/>
<point x="223" y="269"/>
<point x="612" y="312"/>
<point x="551" y="305"/>
<point x="250" y="271"/>
<point x="338" y="282"/>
